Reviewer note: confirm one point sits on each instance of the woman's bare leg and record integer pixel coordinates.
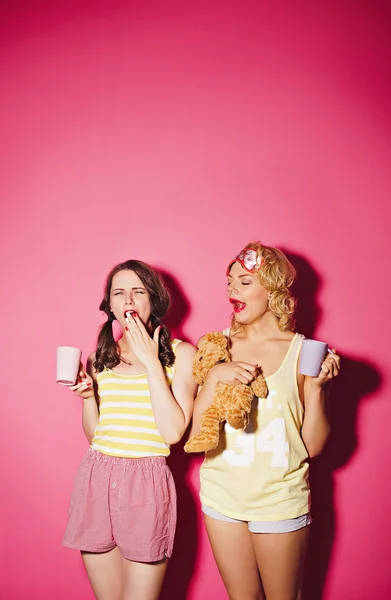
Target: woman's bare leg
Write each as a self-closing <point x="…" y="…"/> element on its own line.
<point x="143" y="580"/>
<point x="104" y="571"/>
<point x="235" y="558"/>
<point x="280" y="558"/>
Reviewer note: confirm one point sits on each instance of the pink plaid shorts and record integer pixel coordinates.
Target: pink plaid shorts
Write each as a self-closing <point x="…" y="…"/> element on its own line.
<point x="124" y="502"/>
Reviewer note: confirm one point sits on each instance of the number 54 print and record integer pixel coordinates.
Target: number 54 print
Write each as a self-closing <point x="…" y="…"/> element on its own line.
<point x="271" y="439"/>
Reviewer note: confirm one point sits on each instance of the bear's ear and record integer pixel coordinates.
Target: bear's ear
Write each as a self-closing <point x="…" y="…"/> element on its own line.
<point x="211" y="337"/>
<point x="204" y="340"/>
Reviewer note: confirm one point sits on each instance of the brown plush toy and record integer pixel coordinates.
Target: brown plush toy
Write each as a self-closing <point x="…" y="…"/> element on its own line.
<point x="231" y="402"/>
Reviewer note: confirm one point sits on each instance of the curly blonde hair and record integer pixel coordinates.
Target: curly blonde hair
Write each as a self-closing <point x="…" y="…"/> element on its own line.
<point x="276" y="275"/>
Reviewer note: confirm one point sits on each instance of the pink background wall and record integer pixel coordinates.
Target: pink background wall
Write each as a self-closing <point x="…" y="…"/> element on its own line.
<point x="175" y="133"/>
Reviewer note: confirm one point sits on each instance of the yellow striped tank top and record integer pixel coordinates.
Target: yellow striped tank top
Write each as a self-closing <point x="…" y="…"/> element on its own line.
<point x="261" y="473"/>
<point x="126" y="426"/>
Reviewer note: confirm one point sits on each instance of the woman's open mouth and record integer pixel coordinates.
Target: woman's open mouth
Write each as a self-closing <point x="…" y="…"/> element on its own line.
<point x="237" y="305"/>
<point x="129" y="313"/>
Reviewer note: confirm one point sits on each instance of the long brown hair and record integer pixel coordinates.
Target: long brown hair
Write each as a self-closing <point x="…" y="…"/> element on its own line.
<point x="107" y="351"/>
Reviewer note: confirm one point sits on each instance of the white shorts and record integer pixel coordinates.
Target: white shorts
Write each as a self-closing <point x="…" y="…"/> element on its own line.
<point x="284" y="526"/>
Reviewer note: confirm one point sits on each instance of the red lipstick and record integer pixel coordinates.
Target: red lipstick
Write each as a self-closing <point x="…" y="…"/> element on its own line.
<point x="238" y="306"/>
<point x="130" y="313"/>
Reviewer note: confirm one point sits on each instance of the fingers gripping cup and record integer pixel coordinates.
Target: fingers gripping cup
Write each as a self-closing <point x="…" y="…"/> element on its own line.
<point x="311" y="357"/>
<point x="68" y="363"/>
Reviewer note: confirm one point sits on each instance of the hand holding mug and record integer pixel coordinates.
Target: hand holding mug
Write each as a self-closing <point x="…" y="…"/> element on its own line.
<point x="329" y="368"/>
<point x="84" y="385"/>
<point x="318" y="362"/>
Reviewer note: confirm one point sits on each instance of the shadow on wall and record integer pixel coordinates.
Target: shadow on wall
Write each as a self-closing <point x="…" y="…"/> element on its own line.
<point x="182" y="563"/>
<point x="357" y="380"/>
<point x="180" y="306"/>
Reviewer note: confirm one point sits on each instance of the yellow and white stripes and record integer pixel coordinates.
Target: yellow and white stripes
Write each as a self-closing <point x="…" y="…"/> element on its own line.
<point x="127" y="425"/>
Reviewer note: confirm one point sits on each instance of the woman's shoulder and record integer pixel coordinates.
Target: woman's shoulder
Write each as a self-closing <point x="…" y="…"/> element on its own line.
<point x="201" y="340"/>
<point x="184" y="355"/>
<point x="181" y="348"/>
<point x="290" y="335"/>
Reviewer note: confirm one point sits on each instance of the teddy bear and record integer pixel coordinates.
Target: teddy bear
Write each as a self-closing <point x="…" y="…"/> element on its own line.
<point x="231" y="402"/>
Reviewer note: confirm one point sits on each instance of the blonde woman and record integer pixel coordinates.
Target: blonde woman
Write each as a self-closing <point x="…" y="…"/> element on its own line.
<point x="254" y="487"/>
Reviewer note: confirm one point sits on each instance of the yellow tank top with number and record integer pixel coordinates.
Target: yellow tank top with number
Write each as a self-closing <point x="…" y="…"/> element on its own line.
<point x="261" y="473"/>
